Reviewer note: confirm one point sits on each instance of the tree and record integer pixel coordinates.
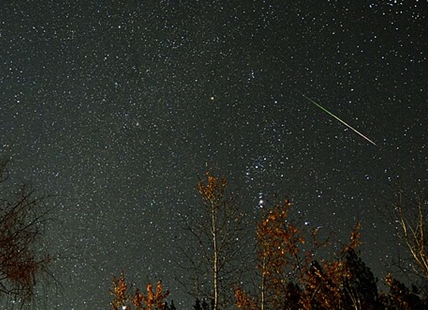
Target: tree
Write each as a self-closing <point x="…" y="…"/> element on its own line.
<point x="361" y="285"/>
<point x="410" y="219"/>
<point x="124" y="299"/>
<point x="291" y="277"/>
<point x="401" y="297"/>
<point x="22" y="216"/>
<point x="217" y="232"/>
<point x="279" y="258"/>
<point x="199" y="306"/>
<point x="280" y="262"/>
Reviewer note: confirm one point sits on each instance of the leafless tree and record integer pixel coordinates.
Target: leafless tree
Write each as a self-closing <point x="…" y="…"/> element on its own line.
<point x="22" y="217"/>
<point x="410" y="219"/>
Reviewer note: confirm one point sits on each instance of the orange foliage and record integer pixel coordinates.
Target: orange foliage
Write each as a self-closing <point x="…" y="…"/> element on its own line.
<point x="122" y="299"/>
<point x="120" y="293"/>
<point x="279" y="244"/>
<point x="324" y="285"/>
<point x="243" y="301"/>
<point x="153" y="300"/>
<point x="355" y="238"/>
<point x="212" y="189"/>
<point x="291" y="277"/>
<point x="400" y="296"/>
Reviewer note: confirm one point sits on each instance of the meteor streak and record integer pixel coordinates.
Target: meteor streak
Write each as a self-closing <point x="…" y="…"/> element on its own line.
<point x="337" y="118"/>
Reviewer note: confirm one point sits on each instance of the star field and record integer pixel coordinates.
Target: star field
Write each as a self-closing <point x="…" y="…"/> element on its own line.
<point x="119" y="107"/>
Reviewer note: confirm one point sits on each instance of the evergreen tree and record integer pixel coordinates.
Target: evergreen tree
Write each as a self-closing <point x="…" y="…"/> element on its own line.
<point x="361" y="287"/>
<point x="170" y="307"/>
<point x="197" y="305"/>
<point x="401" y="297"/>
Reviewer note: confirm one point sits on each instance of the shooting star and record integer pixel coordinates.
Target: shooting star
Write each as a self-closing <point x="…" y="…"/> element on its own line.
<point x="337" y="118"/>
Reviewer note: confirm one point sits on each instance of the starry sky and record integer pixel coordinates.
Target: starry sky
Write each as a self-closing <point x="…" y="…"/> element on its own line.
<point x="119" y="106"/>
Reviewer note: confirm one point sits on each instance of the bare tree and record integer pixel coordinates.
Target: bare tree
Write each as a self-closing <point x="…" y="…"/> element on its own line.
<point x="410" y="219"/>
<point x="217" y="231"/>
<point x="21" y="231"/>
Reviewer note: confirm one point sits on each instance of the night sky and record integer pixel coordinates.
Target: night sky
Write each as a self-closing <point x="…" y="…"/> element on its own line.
<point x="119" y="106"/>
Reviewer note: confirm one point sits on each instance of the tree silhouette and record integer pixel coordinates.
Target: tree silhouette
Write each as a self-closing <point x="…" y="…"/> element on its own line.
<point x="201" y="306"/>
<point x="292" y="277"/>
<point x="22" y="216"/>
<point x="361" y="285"/>
<point x="401" y="297"/>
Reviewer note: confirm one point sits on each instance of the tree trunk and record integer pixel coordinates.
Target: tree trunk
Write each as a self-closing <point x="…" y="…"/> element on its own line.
<point x="215" y="256"/>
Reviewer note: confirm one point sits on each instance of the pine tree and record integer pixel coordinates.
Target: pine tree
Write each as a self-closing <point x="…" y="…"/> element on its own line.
<point x="361" y="287"/>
